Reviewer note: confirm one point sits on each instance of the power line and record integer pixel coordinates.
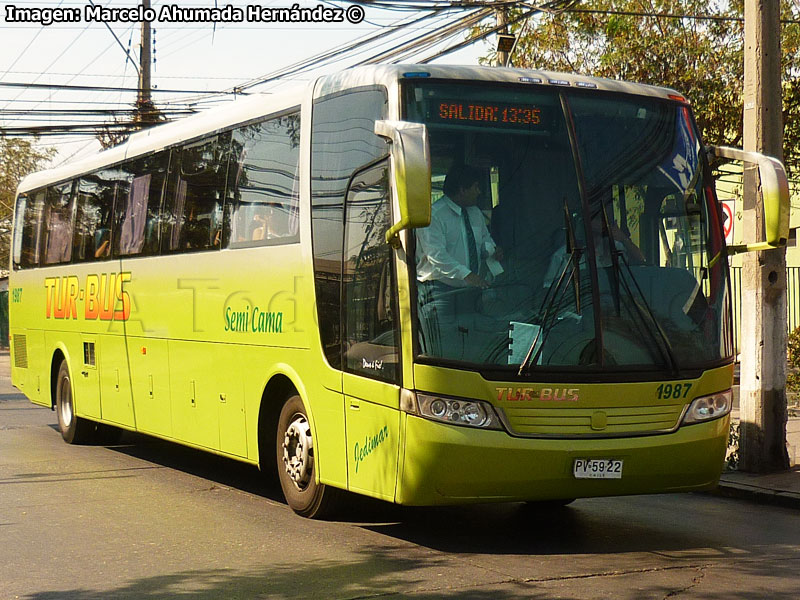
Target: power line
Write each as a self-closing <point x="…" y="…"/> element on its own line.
<point x="102" y="88"/>
<point x="25" y="49"/>
<point x="555" y="7"/>
<point x="127" y="54"/>
<point x="107" y="75"/>
<point x="329" y="55"/>
<point x="175" y="107"/>
<point x="82" y="112"/>
<point x="420" y="43"/>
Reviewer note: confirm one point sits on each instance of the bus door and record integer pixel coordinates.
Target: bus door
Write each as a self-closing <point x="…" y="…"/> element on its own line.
<point x="371" y="337"/>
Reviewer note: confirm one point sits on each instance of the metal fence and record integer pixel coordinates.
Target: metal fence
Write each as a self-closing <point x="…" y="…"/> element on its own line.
<point x="792" y="300"/>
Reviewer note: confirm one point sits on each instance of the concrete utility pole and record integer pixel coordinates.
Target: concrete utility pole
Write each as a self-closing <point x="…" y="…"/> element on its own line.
<point x="762" y="446"/>
<point x="502" y="22"/>
<point x="145" y="109"/>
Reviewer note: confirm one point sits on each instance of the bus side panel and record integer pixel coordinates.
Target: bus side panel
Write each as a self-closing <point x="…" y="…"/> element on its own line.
<point x="230" y="373"/>
<point x="149" y="359"/>
<point x="87" y="384"/>
<point x="328" y="421"/>
<point x="373" y="435"/>
<point x="115" y="388"/>
<point x="37" y="375"/>
<point x="194" y="392"/>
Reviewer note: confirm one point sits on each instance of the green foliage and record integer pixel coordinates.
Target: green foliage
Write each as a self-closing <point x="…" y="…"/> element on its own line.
<point x="732" y="456"/>
<point x="701" y="58"/>
<point x="18" y="158"/>
<point x="793" y="362"/>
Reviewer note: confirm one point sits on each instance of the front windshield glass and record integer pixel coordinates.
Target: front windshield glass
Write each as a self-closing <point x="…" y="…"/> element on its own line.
<point x="569" y="229"/>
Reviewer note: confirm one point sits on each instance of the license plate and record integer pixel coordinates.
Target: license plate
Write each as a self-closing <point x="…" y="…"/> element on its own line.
<point x="597" y="468"/>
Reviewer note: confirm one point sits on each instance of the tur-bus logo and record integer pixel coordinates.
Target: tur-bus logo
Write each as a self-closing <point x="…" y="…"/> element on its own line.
<point x="102" y="297"/>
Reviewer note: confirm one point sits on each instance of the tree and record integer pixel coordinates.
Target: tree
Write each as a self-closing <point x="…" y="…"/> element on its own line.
<point x="702" y="58"/>
<point x="18" y="158"/>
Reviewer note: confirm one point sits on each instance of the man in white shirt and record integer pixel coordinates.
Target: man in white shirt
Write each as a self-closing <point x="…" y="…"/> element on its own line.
<point x="451" y="261"/>
<point x="454" y="248"/>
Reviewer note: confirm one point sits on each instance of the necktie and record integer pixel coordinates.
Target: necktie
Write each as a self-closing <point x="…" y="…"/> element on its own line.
<point x="471" y="247"/>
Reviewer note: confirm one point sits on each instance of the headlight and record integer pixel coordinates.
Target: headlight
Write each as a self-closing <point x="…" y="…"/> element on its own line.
<point x="458" y="411"/>
<point x="707" y="408"/>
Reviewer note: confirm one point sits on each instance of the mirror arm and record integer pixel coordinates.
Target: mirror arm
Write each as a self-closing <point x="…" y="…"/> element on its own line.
<point x="775" y="195"/>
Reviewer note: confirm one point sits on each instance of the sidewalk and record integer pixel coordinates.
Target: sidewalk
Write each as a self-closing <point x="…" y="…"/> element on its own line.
<point x="774" y="488"/>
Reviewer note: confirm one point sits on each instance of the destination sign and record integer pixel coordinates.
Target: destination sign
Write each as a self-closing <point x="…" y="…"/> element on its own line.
<point x="486" y="113"/>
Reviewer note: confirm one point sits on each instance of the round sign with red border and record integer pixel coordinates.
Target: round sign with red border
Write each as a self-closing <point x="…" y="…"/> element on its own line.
<point x="727" y="220"/>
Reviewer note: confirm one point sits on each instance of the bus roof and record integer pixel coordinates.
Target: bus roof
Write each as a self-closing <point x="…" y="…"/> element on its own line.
<point x="387" y="74"/>
<point x="252" y="107"/>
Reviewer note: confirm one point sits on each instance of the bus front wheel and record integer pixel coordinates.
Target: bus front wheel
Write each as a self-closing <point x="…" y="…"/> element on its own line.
<point x="74" y="429"/>
<point x="296" y="463"/>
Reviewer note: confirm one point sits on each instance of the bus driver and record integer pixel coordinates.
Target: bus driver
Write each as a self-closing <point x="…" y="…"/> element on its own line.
<point x="452" y="252"/>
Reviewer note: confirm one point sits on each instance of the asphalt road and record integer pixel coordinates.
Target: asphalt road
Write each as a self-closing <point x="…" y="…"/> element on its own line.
<point x="148" y="519"/>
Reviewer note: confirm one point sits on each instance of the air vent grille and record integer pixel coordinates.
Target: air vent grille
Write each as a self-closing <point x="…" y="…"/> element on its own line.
<point x="20" y="351"/>
<point x="88" y="354"/>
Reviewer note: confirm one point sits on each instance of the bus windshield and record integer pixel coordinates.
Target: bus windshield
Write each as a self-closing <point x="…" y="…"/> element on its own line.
<point x="571" y="230"/>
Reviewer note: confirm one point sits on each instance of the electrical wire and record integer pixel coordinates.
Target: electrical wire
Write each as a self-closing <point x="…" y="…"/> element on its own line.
<point x="25" y="49"/>
<point x="99" y="88"/>
<point x="550" y="7"/>
<point x="438" y="12"/>
<point x="328" y="55"/>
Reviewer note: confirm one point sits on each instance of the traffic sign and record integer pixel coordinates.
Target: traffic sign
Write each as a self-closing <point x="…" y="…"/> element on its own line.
<point x="728" y="207"/>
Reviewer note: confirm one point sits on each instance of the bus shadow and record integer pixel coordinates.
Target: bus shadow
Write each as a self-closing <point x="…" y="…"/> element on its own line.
<point x="224" y="471"/>
<point x="588" y="526"/>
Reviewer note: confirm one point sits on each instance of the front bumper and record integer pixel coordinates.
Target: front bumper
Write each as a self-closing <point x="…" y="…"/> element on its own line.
<point x="445" y="464"/>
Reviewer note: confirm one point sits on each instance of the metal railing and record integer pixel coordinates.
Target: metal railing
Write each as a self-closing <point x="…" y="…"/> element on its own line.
<point x="792" y="300"/>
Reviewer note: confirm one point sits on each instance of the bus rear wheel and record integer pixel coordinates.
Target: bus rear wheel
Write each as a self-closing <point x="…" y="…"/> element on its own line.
<point x="297" y="465"/>
<point x="74" y="429"/>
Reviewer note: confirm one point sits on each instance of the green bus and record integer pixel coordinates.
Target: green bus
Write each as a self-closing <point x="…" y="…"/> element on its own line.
<point x="269" y="282"/>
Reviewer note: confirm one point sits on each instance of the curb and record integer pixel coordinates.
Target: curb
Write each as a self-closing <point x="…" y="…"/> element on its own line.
<point x="760" y="495"/>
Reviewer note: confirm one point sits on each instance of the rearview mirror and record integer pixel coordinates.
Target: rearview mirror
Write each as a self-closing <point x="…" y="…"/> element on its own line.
<point x="774" y="191"/>
<point x="411" y="164"/>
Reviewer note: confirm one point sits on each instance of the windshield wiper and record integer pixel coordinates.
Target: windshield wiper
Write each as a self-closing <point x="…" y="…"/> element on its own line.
<point x="661" y="339"/>
<point x="612" y="249"/>
<point x="572" y="246"/>
<point x="655" y="330"/>
<point x="555" y="291"/>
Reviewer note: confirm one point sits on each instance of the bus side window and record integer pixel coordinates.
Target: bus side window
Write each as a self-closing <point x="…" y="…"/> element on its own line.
<point x="262" y="201"/>
<point x="27" y="225"/>
<point x="195" y="193"/>
<point x="371" y="334"/>
<point x="138" y="210"/>
<point x="95" y="199"/>
<point x="57" y="240"/>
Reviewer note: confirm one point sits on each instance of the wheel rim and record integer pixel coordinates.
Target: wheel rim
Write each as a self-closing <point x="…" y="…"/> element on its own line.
<point x="65" y="402"/>
<point x="298" y="456"/>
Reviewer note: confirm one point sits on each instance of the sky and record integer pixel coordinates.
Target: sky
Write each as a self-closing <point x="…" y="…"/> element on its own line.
<point x="197" y="56"/>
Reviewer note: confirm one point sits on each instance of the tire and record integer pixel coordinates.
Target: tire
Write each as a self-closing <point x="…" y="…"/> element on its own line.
<point x="74" y="429"/>
<point x="297" y="471"/>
